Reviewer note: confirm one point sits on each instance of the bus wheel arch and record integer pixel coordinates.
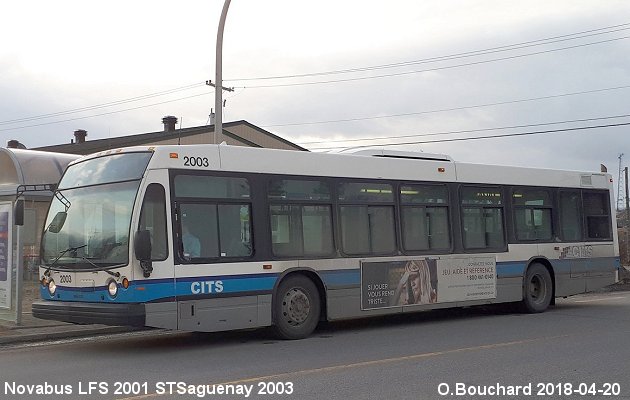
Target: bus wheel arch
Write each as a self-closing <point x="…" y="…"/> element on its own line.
<point x="298" y="304"/>
<point x="538" y="286"/>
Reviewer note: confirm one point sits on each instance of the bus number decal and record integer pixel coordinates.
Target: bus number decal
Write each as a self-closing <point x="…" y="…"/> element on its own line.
<point x="65" y="278"/>
<point x="196" y="161"/>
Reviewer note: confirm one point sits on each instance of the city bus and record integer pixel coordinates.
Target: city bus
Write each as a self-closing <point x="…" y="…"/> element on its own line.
<point x="216" y="237"/>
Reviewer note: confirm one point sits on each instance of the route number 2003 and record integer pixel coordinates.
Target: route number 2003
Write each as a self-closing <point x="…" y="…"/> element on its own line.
<point x="196" y="161"/>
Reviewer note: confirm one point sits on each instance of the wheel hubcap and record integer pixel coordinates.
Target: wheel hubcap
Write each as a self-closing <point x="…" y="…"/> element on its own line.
<point x="295" y="306"/>
<point x="537" y="289"/>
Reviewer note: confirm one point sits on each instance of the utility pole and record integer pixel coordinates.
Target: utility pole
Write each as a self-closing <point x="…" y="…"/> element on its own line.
<point x="619" y="192"/>
<point x="218" y="93"/>
<point x="627" y="225"/>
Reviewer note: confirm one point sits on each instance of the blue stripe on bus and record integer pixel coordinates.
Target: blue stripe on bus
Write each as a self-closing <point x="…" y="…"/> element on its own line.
<point x="333" y="279"/>
<point x="147" y="290"/>
<point x="511" y="269"/>
<point x="228" y="284"/>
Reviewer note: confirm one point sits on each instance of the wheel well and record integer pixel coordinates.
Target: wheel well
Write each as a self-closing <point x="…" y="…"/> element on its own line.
<point x="312" y="275"/>
<point x="547" y="264"/>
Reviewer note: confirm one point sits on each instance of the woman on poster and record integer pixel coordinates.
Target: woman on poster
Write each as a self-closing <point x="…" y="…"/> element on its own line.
<point x="415" y="286"/>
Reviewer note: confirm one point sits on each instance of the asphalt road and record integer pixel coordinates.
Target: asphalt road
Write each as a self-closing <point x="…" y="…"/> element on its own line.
<point x="578" y="349"/>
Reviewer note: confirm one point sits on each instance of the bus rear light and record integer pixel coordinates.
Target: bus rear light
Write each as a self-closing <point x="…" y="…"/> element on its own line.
<point x="44" y="281"/>
<point x="125" y="283"/>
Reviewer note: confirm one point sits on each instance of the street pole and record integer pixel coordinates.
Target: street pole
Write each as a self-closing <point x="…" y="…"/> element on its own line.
<point x="19" y="277"/>
<point x="627" y="199"/>
<point x="218" y="93"/>
<point x="627" y="220"/>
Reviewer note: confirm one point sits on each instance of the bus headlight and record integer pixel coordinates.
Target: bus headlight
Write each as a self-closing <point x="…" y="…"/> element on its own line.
<point x="52" y="287"/>
<point x="112" y="288"/>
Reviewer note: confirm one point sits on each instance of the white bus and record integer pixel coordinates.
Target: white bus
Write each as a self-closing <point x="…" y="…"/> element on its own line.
<point x="216" y="237"/>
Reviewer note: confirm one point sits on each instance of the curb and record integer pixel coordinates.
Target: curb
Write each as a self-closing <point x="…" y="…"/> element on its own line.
<point x="24" y="337"/>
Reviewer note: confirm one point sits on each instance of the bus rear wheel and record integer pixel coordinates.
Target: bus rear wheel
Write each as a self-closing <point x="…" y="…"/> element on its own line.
<point x="296" y="308"/>
<point x="537" y="289"/>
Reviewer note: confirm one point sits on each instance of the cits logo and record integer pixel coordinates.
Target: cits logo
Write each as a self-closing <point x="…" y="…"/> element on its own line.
<point x="585" y="251"/>
<point x="206" y="287"/>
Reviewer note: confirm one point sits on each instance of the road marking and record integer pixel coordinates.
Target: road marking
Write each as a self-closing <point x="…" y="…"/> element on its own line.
<point x="370" y="363"/>
<point x="599" y="299"/>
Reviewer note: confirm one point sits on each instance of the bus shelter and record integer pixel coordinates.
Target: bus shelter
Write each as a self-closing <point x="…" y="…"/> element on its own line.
<point x="31" y="173"/>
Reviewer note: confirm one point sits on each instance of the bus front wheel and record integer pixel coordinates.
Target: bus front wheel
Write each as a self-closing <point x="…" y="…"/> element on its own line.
<point x="537" y="289"/>
<point x="296" y="307"/>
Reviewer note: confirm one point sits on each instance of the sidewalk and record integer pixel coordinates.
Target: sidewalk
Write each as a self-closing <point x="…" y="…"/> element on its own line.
<point x="34" y="329"/>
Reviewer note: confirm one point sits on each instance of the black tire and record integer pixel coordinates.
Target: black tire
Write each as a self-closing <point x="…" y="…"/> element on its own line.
<point x="296" y="307"/>
<point x="537" y="289"/>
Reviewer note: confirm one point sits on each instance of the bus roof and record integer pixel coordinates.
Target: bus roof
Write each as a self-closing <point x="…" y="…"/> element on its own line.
<point x="363" y="164"/>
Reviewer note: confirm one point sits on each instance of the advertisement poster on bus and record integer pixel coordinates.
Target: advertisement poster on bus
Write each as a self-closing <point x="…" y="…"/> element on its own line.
<point x="5" y="255"/>
<point x="427" y="281"/>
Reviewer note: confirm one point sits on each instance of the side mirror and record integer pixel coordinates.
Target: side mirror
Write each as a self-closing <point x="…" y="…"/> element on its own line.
<point x="142" y="250"/>
<point x="18" y="213"/>
<point x="57" y="222"/>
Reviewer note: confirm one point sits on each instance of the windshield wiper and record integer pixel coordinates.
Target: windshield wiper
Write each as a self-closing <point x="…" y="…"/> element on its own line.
<point x="61" y="254"/>
<point x="114" y="274"/>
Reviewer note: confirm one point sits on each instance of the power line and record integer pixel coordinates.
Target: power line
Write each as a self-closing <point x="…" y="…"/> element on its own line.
<point x="311" y="83"/>
<point x="462" y="131"/>
<point x="473" y="53"/>
<point x="581" y="128"/>
<point x="447" y="109"/>
<point x="544" y="41"/>
<point x="103" y="105"/>
<point x="107" y="113"/>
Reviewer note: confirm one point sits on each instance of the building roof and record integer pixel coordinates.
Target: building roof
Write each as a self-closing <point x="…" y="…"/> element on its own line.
<point x="93" y="146"/>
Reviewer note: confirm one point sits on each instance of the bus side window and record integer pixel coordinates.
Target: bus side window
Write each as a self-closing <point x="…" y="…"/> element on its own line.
<point x="570" y="217"/>
<point x="532" y="214"/>
<point x="596" y="213"/>
<point x="424" y="217"/>
<point x="301" y="218"/>
<point x="199" y="231"/>
<point x="482" y="210"/>
<point x="153" y="219"/>
<point x="366" y="211"/>
<point x="215" y="230"/>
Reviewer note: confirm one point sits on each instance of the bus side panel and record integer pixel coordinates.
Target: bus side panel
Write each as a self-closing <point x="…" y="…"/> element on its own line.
<point x="509" y="289"/>
<point x="161" y="315"/>
<point x="345" y="303"/>
<point x="580" y="267"/>
<point x="510" y="272"/>
<point x="223" y="314"/>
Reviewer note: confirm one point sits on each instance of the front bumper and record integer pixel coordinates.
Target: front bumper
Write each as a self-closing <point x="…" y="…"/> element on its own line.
<point x="91" y="313"/>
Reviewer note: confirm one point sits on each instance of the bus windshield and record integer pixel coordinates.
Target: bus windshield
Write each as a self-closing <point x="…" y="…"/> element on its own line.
<point x="89" y="219"/>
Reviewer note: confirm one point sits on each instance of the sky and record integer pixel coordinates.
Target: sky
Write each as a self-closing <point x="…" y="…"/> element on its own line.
<point x="404" y="71"/>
